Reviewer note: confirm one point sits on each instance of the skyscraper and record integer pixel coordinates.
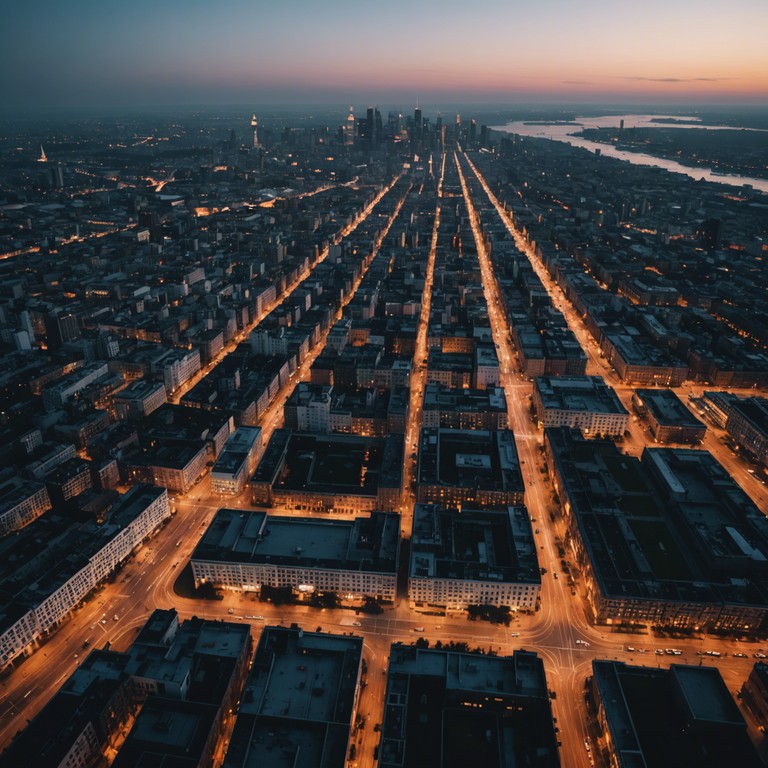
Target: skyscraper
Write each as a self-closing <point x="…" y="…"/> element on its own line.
<point x="373" y="126"/>
<point x="61" y="327"/>
<point x="255" y="128"/>
<point x="394" y="124"/>
<point x="349" y="128"/>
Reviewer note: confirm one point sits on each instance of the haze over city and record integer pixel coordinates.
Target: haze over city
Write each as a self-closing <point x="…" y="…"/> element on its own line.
<point x="384" y="385"/>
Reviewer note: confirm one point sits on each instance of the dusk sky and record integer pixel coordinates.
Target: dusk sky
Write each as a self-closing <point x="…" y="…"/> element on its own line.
<point x="91" y="52"/>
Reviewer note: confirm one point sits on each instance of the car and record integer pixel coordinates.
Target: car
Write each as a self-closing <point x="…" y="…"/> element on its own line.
<point x="659" y="652"/>
<point x="630" y="649"/>
<point x="760" y="655"/>
<point x="356" y="624"/>
<point x="739" y="655"/>
<point x="418" y="629"/>
<point x="514" y="634"/>
<point x="255" y="618"/>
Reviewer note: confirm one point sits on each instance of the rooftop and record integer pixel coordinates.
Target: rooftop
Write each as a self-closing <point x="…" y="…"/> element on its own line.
<point x="365" y="543"/>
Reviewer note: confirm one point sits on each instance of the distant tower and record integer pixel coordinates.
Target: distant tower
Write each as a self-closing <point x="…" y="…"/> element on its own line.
<point x="255" y="127"/>
<point x="42" y="158"/>
<point x="349" y="128"/>
<point x="418" y="123"/>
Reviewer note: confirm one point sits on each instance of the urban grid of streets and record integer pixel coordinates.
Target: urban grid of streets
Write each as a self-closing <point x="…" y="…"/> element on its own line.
<point x="559" y="631"/>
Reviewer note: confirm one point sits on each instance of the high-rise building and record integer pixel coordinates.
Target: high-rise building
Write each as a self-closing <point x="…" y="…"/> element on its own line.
<point x="349" y="128"/>
<point x="55" y="176"/>
<point x="255" y="129"/>
<point x="418" y="124"/>
<point x="394" y="124"/>
<point x="373" y="126"/>
<point x="708" y="233"/>
<point x="378" y="124"/>
<point x="61" y="327"/>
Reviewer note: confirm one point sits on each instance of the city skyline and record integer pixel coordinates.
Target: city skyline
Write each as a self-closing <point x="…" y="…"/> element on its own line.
<point x="93" y="54"/>
<point x="384" y="386"/>
<point x="382" y="396"/>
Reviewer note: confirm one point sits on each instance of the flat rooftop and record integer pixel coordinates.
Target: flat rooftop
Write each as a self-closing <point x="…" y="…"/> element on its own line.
<point x="298" y="702"/>
<point x="347" y="464"/>
<point x="667" y="408"/>
<point x="429" y="718"/>
<point x="438" y="397"/>
<point x="469" y="458"/>
<point x="167" y="732"/>
<point x="673" y="526"/>
<point x="478" y="545"/>
<point x="683" y="715"/>
<point x="365" y="543"/>
<point x="578" y="393"/>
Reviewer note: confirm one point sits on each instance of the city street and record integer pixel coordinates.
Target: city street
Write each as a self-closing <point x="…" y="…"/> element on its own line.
<point x="597" y="365"/>
<point x="559" y="631"/>
<point x="419" y="379"/>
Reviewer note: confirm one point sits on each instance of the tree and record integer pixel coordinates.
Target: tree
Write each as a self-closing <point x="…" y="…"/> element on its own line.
<point x="277" y="595"/>
<point x="371" y="605"/>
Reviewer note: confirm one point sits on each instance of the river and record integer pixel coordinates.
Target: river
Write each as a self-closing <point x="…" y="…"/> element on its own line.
<point x="565" y="132"/>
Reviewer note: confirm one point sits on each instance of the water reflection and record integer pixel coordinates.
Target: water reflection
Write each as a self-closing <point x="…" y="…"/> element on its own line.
<point x="564" y="131"/>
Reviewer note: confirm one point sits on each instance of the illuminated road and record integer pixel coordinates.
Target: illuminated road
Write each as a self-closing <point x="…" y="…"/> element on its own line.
<point x="146" y="581"/>
<point x="419" y="379"/>
<point x="554" y="630"/>
<point x="116" y="611"/>
<point x="272" y="418"/>
<point x="559" y="621"/>
<point x="345" y="231"/>
<point x="597" y="365"/>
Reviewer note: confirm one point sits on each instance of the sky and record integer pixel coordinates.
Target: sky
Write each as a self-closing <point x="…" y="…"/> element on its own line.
<point x="88" y="53"/>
